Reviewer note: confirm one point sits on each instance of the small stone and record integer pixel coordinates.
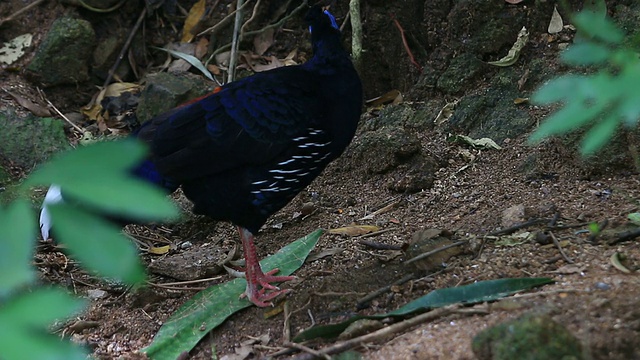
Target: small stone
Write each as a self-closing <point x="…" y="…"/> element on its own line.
<point x="95" y="294"/>
<point x="185" y="245"/>
<point x="513" y="215"/>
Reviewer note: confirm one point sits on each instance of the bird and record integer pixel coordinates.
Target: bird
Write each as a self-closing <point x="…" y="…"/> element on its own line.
<point x="244" y="151"/>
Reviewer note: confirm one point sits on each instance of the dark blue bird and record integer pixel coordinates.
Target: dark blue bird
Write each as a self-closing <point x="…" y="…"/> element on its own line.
<point x="243" y="152"/>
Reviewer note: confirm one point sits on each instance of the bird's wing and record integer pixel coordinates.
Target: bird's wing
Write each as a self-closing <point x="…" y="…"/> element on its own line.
<point x="247" y="122"/>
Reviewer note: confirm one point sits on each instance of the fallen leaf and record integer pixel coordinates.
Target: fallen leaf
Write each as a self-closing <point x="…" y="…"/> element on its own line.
<point x="446" y="112"/>
<point x="160" y="250"/>
<point x="616" y="262"/>
<point x="393" y="96"/>
<point x="514" y="52"/>
<point x="485" y="143"/>
<point x="354" y="230"/>
<point x="323" y="254"/>
<point x="12" y="50"/>
<point x="556" y="24"/>
<point x="35" y="109"/>
<point x="519" y="101"/>
<point x="513" y="1"/>
<point x="192" y="20"/>
<point x="263" y="41"/>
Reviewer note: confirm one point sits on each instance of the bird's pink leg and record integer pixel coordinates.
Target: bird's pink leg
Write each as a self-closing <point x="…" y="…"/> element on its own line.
<point x="258" y="282"/>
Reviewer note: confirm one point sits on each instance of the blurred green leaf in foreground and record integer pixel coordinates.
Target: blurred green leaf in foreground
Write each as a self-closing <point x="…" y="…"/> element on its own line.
<point x="601" y="101"/>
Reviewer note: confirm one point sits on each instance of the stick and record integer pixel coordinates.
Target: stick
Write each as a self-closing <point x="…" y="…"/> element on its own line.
<point x="125" y="47"/>
<point x="19" y="12"/>
<point x="235" y="42"/>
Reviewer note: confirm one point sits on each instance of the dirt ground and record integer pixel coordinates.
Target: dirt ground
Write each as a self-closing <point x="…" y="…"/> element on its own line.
<point x="595" y="300"/>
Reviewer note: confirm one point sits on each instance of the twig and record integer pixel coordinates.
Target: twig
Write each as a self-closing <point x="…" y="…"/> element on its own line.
<point x="286" y="326"/>
<point x="125" y="47"/>
<point x="392" y="329"/>
<point x="186" y="282"/>
<point x="308" y="350"/>
<point x="91" y="8"/>
<point x="255" y="32"/>
<point x="363" y="301"/>
<point x="250" y="20"/>
<point x="356" y="33"/>
<point x="235" y="42"/>
<point x="379" y="246"/>
<point x="626" y="236"/>
<point x="427" y="254"/>
<point x="81" y="130"/>
<point x="406" y="45"/>
<point x="557" y="244"/>
<point x="222" y="23"/>
<point x="517" y="227"/>
<point x="19" y="12"/>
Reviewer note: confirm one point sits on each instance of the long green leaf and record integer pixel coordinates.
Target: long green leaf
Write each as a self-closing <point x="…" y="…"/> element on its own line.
<point x="98" y="244"/>
<point x="210" y="307"/>
<point x="598" y="26"/>
<point x="469" y="294"/>
<point x="598" y="135"/>
<point x="99" y="161"/>
<point x="17" y="235"/>
<point x="585" y="54"/>
<point x="124" y="196"/>
<point x="39" y="309"/>
<point x="19" y="343"/>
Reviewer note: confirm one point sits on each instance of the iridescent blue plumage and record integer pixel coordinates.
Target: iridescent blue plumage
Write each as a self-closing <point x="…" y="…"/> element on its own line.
<point x="243" y="152"/>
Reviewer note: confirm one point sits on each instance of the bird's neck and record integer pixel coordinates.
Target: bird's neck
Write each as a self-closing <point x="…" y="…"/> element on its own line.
<point x="327" y="50"/>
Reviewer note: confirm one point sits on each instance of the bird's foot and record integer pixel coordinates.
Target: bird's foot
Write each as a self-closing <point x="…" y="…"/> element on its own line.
<point x="260" y="290"/>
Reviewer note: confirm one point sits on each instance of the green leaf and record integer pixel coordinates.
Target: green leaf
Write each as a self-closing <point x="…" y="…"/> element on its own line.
<point x="191" y="60"/>
<point x="587" y="53"/>
<point x="598" y="135"/>
<point x="634" y="218"/>
<point x="25" y="318"/>
<point x="39" y="309"/>
<point x="20" y="343"/>
<point x="98" y="244"/>
<point x="98" y="161"/>
<point x="482" y="291"/>
<point x="598" y="26"/>
<point x="17" y="236"/>
<point x="210" y="307"/>
<point x="125" y="197"/>
<point x="557" y="89"/>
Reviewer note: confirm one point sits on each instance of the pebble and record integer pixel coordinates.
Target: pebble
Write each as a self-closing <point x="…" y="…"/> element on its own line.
<point x="96" y="294"/>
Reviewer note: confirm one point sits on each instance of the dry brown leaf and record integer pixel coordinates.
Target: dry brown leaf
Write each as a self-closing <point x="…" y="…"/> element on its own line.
<point x="263" y="41"/>
<point x="288" y="61"/>
<point x="201" y="48"/>
<point x="35" y="109"/>
<point x="519" y="101"/>
<point x="354" y="230"/>
<point x="195" y="14"/>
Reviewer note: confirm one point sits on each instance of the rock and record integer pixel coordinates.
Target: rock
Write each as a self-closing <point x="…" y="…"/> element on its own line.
<point x="191" y="264"/>
<point x="424" y="241"/>
<point x="96" y="294"/>
<point x="391" y="145"/>
<point x="63" y="57"/>
<point x="164" y="91"/>
<point x="491" y="115"/>
<point x="460" y="71"/>
<point x="28" y="141"/>
<point x="537" y="336"/>
<point x="513" y="215"/>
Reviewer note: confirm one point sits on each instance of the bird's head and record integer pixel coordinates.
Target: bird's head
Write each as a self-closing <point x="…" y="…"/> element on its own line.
<point x="321" y="21"/>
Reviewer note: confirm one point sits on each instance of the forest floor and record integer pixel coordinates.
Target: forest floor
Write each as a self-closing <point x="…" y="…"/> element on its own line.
<point x="472" y="191"/>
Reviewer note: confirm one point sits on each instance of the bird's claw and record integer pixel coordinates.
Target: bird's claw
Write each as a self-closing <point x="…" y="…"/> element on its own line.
<point x="261" y="297"/>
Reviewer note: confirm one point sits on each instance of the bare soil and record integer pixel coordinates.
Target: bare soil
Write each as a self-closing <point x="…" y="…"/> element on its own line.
<point x="596" y="301"/>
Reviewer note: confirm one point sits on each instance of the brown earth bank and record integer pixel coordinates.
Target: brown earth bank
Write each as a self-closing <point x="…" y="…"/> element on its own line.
<point x="404" y="176"/>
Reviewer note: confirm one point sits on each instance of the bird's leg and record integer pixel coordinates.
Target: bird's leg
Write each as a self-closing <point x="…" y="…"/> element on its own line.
<point x="258" y="282"/>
